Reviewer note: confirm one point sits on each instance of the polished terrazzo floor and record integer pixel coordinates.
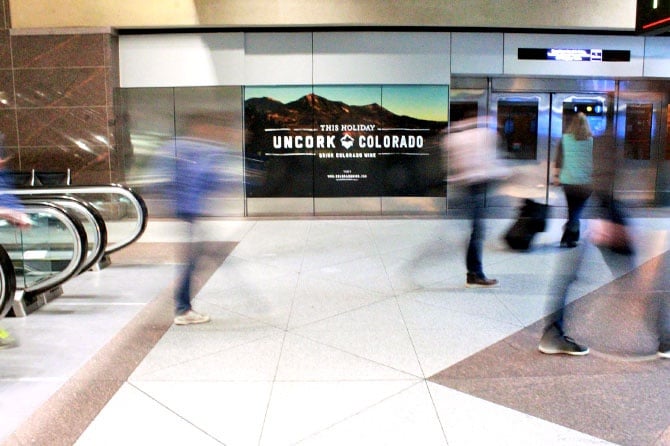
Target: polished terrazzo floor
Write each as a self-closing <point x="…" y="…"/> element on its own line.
<point x="342" y="331"/>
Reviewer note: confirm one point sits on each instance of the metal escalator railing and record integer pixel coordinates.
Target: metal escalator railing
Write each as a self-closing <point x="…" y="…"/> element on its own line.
<point x="45" y="255"/>
<point x="92" y="220"/>
<point x="7" y="282"/>
<point x="124" y="211"/>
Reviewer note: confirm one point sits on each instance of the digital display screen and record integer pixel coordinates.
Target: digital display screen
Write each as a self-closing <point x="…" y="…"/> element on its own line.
<point x="574" y="54"/>
<point x="594" y="110"/>
<point x="588" y="108"/>
<point x="578" y="55"/>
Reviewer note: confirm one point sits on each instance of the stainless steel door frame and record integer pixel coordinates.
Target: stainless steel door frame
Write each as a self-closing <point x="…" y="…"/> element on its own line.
<point x="531" y="179"/>
<point x="477" y="98"/>
<point x="528" y="159"/>
<point x="639" y="133"/>
<point x="663" y="180"/>
<point x="468" y="98"/>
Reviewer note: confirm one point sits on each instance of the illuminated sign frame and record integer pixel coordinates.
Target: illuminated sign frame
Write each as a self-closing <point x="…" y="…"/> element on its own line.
<point x="574" y="54"/>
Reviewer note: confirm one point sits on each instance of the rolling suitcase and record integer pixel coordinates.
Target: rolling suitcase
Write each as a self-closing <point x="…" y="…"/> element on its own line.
<point x="532" y="219"/>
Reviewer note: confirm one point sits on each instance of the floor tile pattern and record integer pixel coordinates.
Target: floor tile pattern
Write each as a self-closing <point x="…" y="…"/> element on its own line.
<point x="619" y="392"/>
<point x="339" y="331"/>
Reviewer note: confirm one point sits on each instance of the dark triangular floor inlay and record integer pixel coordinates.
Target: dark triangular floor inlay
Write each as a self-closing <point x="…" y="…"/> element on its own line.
<point x="620" y="392"/>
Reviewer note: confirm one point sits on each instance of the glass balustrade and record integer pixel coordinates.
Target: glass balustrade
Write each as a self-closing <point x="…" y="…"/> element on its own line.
<point x="91" y="219"/>
<point x="48" y="253"/>
<point x="123" y="210"/>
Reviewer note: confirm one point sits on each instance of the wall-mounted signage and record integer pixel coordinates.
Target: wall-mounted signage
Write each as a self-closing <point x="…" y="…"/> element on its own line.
<point x="344" y="141"/>
<point x="574" y="54"/>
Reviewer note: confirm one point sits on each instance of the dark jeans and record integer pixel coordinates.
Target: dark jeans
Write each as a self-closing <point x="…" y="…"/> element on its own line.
<point x="473" y="259"/>
<point x="576" y="197"/>
<point x="191" y="257"/>
<point x="613" y="210"/>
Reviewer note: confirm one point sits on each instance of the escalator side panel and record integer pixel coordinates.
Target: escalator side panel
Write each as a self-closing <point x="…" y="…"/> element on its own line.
<point x="7" y="282"/>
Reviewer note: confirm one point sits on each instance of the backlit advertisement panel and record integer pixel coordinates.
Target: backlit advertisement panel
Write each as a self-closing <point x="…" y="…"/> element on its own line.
<point x="345" y="141"/>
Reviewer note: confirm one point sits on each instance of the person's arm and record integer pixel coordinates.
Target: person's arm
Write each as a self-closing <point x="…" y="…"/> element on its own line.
<point x="558" y="162"/>
<point x="15" y="217"/>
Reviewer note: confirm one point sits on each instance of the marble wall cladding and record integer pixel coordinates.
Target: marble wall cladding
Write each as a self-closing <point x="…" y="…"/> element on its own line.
<point x="97" y="177"/>
<point x="8" y="137"/>
<point x="59" y="112"/>
<point x="66" y="157"/>
<point x="4" y="14"/>
<point x="61" y="87"/>
<point x="5" y="50"/>
<point x="12" y="157"/>
<point x="111" y="129"/>
<point x="8" y="128"/>
<point x="112" y="60"/>
<point x="82" y="127"/>
<point x="6" y="90"/>
<point x="69" y="50"/>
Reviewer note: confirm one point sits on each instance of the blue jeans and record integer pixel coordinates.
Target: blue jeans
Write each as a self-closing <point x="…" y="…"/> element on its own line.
<point x="564" y="277"/>
<point x="661" y="283"/>
<point x="473" y="259"/>
<point x="192" y="255"/>
<point x="570" y="267"/>
<point x="664" y="320"/>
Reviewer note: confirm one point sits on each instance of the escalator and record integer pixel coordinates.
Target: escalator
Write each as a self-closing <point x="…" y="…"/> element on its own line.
<point x="123" y="210"/>
<point x="7" y="282"/>
<point x="44" y="256"/>
<point x="75" y="228"/>
<point x="91" y="219"/>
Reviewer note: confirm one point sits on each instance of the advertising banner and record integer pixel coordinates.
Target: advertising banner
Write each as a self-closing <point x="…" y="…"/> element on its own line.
<point x="345" y="141"/>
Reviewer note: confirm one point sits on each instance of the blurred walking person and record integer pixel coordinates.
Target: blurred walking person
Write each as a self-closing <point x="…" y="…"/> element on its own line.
<point x="193" y="163"/>
<point x="554" y="339"/>
<point x="661" y="282"/>
<point x="664" y="329"/>
<point x="574" y="172"/>
<point x="472" y="163"/>
<point x="579" y="175"/>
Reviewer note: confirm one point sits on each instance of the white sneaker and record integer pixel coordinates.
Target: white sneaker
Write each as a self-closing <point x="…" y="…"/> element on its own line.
<point x="191" y="317"/>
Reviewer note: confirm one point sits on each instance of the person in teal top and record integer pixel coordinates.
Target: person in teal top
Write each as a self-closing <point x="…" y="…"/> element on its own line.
<point x="580" y="177"/>
<point x="574" y="171"/>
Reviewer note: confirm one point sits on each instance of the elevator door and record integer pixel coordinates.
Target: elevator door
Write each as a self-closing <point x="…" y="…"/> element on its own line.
<point x="523" y="121"/>
<point x="599" y="110"/>
<point x="531" y="126"/>
<point x="638" y="140"/>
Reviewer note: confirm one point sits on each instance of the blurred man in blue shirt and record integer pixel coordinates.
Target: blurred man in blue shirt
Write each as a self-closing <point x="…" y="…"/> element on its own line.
<point x="195" y="165"/>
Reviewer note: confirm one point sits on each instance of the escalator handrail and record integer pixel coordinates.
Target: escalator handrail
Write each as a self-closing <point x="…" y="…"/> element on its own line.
<point x="79" y="250"/>
<point x="93" y="216"/>
<point x="136" y="200"/>
<point x="7" y="282"/>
